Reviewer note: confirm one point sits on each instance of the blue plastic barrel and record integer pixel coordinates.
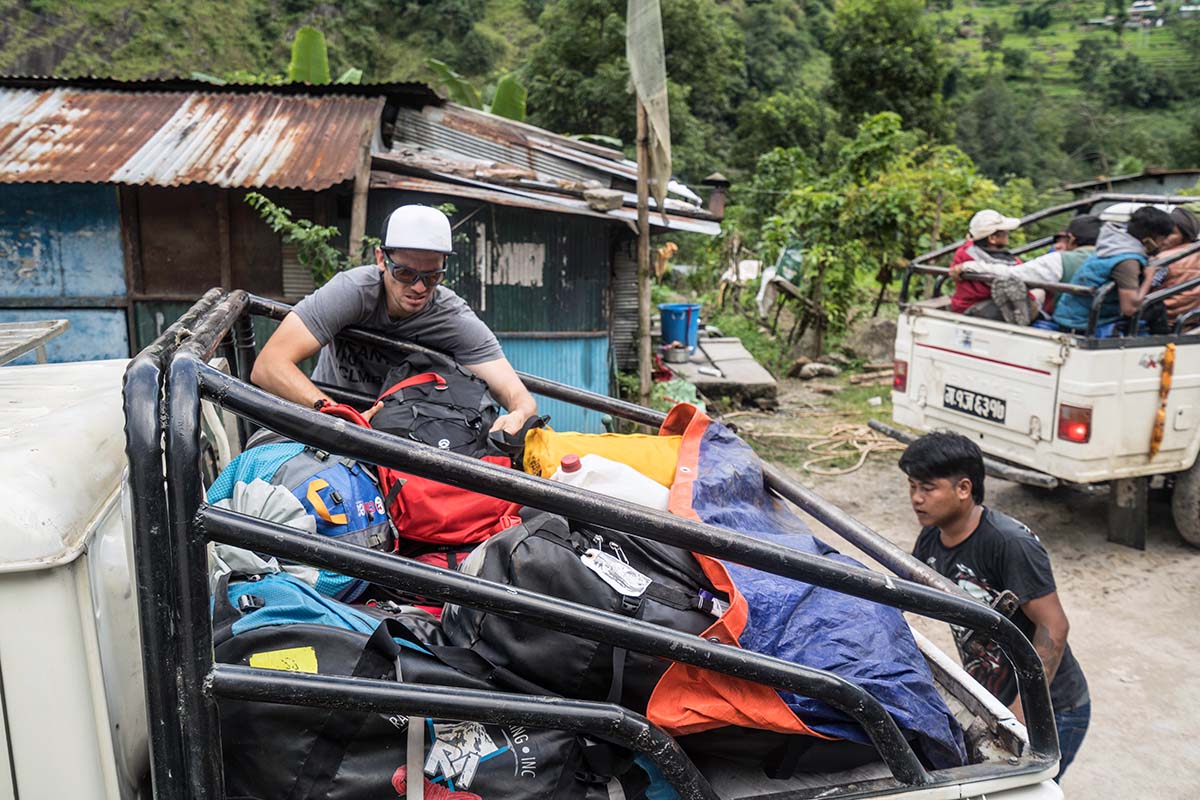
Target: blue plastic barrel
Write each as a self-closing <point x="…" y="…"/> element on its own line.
<point x="680" y="323"/>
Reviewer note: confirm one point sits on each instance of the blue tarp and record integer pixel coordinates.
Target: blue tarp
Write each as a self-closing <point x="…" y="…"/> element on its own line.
<point x="866" y="643"/>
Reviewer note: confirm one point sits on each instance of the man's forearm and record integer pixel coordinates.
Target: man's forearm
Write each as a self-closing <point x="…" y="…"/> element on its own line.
<point x="1050" y="649"/>
<point x="286" y="380"/>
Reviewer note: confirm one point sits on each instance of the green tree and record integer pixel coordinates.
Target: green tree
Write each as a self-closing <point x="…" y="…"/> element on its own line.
<point x="890" y="197"/>
<point x="781" y="120"/>
<point x="1091" y="59"/>
<point x="578" y="78"/>
<point x="885" y="57"/>
<point x="1134" y="83"/>
<point x="1008" y="133"/>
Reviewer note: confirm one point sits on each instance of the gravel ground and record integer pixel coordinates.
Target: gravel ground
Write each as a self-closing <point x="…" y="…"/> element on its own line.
<point x="1133" y="614"/>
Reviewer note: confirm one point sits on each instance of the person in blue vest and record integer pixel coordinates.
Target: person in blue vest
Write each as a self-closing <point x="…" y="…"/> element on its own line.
<point x="1121" y="254"/>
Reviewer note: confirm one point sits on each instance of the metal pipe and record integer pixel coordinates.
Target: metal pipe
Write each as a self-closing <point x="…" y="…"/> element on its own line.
<point x="228" y="527"/>
<point x="203" y="769"/>
<point x="302" y="424"/>
<point x="602" y="720"/>
<point x="244" y="346"/>
<point x="1097" y="303"/>
<point x="1066" y="288"/>
<point x="997" y="469"/>
<point x="152" y="563"/>
<point x="870" y="541"/>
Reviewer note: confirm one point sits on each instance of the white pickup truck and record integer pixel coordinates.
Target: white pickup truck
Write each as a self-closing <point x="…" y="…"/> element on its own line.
<point x="107" y="683"/>
<point x="1050" y="408"/>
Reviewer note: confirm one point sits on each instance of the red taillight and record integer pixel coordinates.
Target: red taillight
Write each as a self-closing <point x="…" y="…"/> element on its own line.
<point x="899" y="375"/>
<point x="1074" y="424"/>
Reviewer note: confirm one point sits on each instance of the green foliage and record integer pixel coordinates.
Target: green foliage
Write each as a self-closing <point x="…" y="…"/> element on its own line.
<point x="314" y="248"/>
<point x="458" y="89"/>
<point x="509" y="100"/>
<point x="1009" y="132"/>
<point x="885" y="57"/>
<point x="310" y="58"/>
<point x="891" y="195"/>
<point x="578" y="78"/>
<point x="780" y="120"/>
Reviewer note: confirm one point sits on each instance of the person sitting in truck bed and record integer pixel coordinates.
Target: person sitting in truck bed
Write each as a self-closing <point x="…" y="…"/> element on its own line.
<point x="988" y="230"/>
<point x="1121" y="255"/>
<point x="1187" y="231"/>
<point x="1072" y="247"/>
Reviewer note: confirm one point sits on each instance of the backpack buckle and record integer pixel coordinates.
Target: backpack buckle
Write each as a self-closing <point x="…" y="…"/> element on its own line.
<point x="249" y="602"/>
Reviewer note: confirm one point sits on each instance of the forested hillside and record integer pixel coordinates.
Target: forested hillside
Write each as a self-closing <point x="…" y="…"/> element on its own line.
<point x="878" y="122"/>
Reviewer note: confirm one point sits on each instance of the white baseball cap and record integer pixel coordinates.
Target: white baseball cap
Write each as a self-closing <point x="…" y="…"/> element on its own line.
<point x="418" y="228"/>
<point x="990" y="221"/>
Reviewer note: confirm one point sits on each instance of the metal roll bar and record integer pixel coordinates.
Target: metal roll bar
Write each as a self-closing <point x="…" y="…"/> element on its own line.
<point x="878" y="547"/>
<point x="303" y="424"/>
<point x="153" y="567"/>
<point x="173" y="589"/>
<point x="622" y="726"/>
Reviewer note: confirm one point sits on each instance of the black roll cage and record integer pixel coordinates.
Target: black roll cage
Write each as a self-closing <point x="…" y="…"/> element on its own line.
<point x="173" y="526"/>
<point x="923" y="264"/>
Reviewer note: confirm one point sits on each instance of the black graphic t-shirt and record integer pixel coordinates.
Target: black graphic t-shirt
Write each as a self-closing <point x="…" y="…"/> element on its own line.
<point x="1002" y="554"/>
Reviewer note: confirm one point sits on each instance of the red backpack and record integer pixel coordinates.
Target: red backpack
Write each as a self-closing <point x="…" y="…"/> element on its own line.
<point x="436" y="523"/>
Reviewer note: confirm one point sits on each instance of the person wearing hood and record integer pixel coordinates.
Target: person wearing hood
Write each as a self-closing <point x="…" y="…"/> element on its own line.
<point x="1187" y="231"/>
<point x="1120" y="256"/>
<point x="988" y="230"/>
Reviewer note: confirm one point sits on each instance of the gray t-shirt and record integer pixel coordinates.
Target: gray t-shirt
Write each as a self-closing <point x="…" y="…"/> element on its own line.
<point x="356" y="297"/>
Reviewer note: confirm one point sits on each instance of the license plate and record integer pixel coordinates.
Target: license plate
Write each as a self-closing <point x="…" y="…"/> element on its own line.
<point x="979" y="405"/>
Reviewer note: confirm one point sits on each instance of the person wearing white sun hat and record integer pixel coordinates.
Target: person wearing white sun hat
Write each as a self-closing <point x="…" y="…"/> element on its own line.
<point x="988" y="231"/>
<point x="402" y="296"/>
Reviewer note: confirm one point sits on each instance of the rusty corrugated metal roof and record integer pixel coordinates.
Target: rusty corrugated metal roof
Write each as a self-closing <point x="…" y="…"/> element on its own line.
<point x="69" y="135"/>
<point x="454" y="186"/>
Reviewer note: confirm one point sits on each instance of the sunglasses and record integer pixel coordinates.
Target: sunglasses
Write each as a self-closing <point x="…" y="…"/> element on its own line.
<point x="410" y="275"/>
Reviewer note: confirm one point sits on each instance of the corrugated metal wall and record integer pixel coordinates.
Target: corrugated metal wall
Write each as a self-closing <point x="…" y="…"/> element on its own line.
<point x="581" y="362"/>
<point x="61" y="257"/>
<point x="521" y="270"/>
<point x="624" y="309"/>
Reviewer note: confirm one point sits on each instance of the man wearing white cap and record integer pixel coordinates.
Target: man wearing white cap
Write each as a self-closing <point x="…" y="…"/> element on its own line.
<point x="989" y="238"/>
<point x="401" y="295"/>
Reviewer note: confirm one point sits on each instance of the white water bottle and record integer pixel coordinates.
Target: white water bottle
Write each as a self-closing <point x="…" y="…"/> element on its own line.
<point x="612" y="478"/>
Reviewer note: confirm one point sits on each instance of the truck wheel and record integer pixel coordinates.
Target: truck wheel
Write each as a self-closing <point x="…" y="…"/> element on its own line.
<point x="1185" y="504"/>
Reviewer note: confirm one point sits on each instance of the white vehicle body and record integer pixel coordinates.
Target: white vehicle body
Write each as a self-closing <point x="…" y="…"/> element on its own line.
<point x="1006" y="387"/>
<point x="72" y="695"/>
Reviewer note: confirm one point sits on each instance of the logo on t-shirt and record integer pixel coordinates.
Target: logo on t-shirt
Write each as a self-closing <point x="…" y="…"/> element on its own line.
<point x="989" y="666"/>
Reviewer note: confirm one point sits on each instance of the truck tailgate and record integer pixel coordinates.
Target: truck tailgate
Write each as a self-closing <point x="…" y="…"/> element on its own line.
<point x="981" y="376"/>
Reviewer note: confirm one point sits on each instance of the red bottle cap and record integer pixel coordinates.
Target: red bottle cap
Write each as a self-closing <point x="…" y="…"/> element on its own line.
<point x="570" y="463"/>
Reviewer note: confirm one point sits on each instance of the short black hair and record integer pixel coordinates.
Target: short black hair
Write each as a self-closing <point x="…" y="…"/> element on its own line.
<point x="1149" y="222"/>
<point x="943" y="454"/>
<point x="1085" y="228"/>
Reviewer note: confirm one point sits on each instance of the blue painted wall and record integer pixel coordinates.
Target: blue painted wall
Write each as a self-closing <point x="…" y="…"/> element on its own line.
<point x="59" y="242"/>
<point x="581" y="362"/>
<point x="95" y="333"/>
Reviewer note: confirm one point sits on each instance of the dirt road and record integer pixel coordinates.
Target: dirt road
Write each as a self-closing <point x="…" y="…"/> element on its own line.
<point x="1135" y="616"/>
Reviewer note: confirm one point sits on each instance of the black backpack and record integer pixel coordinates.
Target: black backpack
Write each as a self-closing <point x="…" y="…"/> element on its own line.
<point x="593" y="566"/>
<point x="438" y="403"/>
<point x="305" y="753"/>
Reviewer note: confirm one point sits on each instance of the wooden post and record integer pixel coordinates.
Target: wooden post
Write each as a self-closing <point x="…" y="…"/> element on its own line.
<point x="358" y="209"/>
<point x="643" y="253"/>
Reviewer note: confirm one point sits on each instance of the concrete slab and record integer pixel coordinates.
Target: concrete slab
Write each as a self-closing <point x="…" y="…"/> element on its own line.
<point x="723" y="369"/>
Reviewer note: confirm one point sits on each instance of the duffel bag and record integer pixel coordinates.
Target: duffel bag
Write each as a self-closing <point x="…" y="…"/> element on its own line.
<point x="282" y="751"/>
<point x="595" y="567"/>
<point x="326" y="494"/>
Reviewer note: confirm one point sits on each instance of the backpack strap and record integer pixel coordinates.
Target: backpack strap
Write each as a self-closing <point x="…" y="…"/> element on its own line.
<point x="416" y="380"/>
<point x="348" y="413"/>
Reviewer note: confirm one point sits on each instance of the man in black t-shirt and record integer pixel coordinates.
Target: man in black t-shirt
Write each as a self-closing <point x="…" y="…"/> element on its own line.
<point x="986" y="552"/>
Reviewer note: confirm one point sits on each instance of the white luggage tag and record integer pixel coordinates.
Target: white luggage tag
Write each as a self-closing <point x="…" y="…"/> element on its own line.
<point x="623" y="578"/>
